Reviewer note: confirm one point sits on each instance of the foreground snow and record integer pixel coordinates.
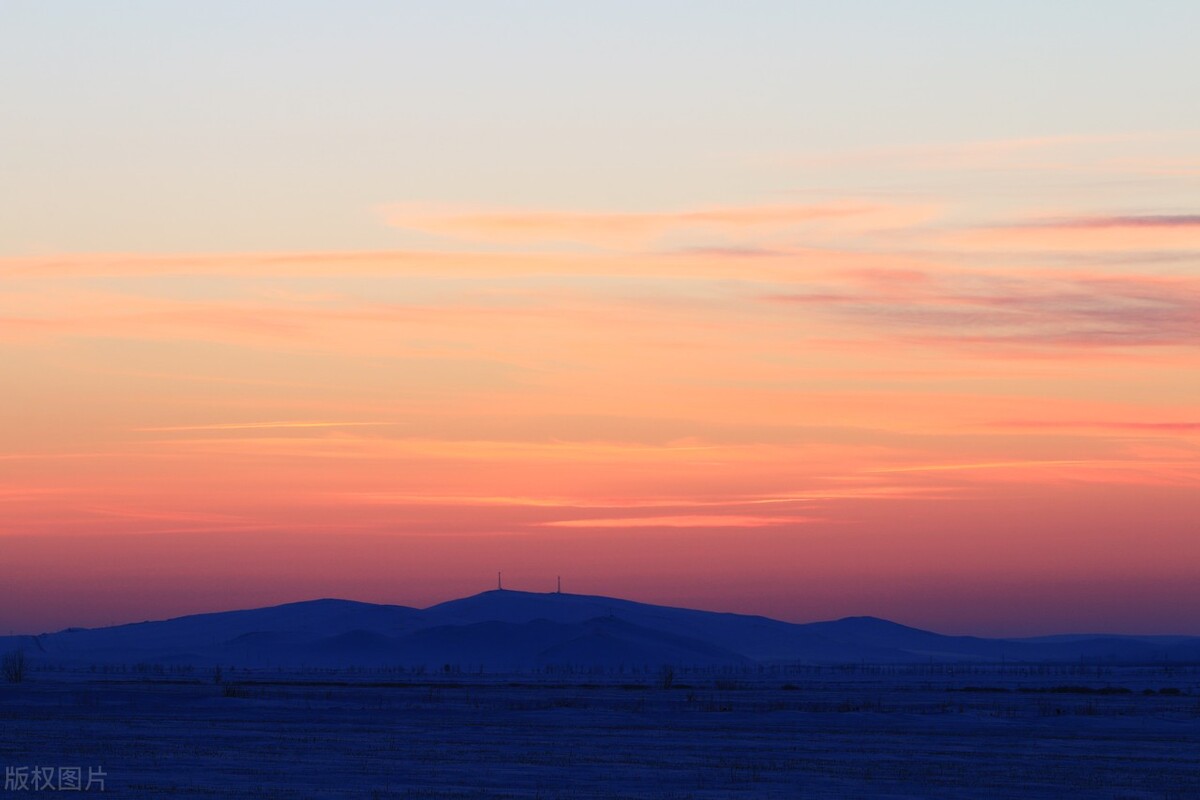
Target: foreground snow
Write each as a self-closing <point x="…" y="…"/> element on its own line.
<point x="880" y="731"/>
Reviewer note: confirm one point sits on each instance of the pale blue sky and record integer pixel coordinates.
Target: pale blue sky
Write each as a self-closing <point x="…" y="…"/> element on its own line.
<point x="281" y="125"/>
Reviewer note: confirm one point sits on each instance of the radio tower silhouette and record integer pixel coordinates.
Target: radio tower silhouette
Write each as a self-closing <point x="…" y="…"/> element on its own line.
<point x="559" y="590"/>
<point x="499" y="584"/>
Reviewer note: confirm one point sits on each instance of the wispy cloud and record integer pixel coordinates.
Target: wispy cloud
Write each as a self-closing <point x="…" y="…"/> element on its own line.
<point x="978" y="466"/>
<point x="1038" y="309"/>
<point x="1133" y="221"/>
<point x="1105" y="425"/>
<point x="691" y="501"/>
<point x="635" y="229"/>
<point x="1148" y="233"/>
<point x="142" y="513"/>
<point x="748" y="255"/>
<point x="240" y="426"/>
<point x="529" y="501"/>
<point x="683" y="521"/>
<point x="1134" y="469"/>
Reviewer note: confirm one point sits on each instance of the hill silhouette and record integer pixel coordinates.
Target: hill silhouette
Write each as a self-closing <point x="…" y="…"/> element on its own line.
<point x="505" y="629"/>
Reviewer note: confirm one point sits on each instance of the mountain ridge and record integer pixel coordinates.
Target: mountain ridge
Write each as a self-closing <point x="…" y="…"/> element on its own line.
<point x="504" y="629"/>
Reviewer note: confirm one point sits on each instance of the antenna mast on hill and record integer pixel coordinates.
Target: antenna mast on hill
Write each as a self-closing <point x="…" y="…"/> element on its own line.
<point x="499" y="585"/>
<point x="559" y="591"/>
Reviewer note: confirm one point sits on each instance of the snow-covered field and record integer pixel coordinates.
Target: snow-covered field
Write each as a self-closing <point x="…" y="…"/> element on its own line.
<point x="1057" y="731"/>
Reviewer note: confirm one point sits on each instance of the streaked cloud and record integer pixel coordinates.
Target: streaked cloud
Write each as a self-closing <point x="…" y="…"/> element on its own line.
<point x="975" y="466"/>
<point x="1145" y="233"/>
<point x="639" y="229"/>
<point x="1107" y="425"/>
<point x="1034" y="308"/>
<point x="684" y="521"/>
<point x="239" y="426"/>
<point x="1136" y="221"/>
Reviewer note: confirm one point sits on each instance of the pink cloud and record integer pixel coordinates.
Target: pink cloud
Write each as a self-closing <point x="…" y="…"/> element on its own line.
<point x="1103" y="233"/>
<point x="1011" y="309"/>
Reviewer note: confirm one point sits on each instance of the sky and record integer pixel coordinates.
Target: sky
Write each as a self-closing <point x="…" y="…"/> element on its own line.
<point x="799" y="309"/>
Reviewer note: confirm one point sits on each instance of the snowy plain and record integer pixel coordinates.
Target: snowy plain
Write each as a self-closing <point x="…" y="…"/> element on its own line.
<point x="899" y="731"/>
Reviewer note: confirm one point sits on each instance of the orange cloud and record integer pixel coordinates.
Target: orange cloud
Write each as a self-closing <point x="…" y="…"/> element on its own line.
<point x="777" y="262"/>
<point x="639" y="229"/>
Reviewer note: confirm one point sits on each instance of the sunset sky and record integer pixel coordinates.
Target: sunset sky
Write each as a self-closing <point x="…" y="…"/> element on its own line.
<point x="800" y="309"/>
